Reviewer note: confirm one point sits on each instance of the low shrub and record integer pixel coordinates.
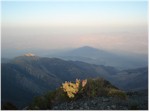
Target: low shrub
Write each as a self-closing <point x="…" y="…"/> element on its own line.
<point x="100" y="87"/>
<point x="117" y="93"/>
<point x="8" y="106"/>
<point x="70" y="91"/>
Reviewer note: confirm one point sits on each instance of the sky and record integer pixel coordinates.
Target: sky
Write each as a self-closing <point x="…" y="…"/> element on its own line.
<point x="109" y="25"/>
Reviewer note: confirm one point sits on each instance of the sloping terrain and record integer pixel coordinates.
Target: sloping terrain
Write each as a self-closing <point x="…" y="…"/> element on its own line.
<point x="132" y="79"/>
<point x="81" y="90"/>
<point x="27" y="76"/>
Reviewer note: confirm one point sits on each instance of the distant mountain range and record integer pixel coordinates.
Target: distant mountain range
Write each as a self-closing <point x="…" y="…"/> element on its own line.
<point x="88" y="54"/>
<point x="27" y="76"/>
<point x="101" y="57"/>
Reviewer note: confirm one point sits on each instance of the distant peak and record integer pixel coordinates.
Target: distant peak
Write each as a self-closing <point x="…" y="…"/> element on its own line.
<point x="29" y="54"/>
<point x="86" y="47"/>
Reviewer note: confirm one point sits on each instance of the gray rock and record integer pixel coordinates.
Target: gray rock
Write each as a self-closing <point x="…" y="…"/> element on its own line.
<point x="55" y="107"/>
<point x="87" y="108"/>
<point x="113" y="106"/>
<point x="71" y="107"/>
<point x="81" y="108"/>
<point x="93" y="102"/>
<point x="99" y="103"/>
<point x="108" y="107"/>
<point x="26" y="108"/>
<point x="85" y="104"/>
<point x="105" y="100"/>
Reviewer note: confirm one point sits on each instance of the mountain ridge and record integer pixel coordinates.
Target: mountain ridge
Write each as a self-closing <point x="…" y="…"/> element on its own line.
<point x="36" y="75"/>
<point x="101" y="57"/>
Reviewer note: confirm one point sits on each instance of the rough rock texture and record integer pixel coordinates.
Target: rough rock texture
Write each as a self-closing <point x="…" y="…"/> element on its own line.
<point x="105" y="103"/>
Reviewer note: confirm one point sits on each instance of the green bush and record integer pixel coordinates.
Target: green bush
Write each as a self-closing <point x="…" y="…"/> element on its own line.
<point x="60" y="96"/>
<point x="40" y="103"/>
<point x="72" y="91"/>
<point x="9" y="106"/>
<point x="43" y="102"/>
<point x="117" y="93"/>
<point x="100" y="87"/>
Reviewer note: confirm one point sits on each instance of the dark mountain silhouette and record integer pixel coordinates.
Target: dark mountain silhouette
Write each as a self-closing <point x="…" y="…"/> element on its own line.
<point x="27" y="76"/>
<point x="101" y="57"/>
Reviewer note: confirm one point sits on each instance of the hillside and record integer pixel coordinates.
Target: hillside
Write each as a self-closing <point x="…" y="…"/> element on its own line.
<point x="27" y="76"/>
<point x="71" y="92"/>
<point x="88" y="94"/>
<point x="132" y="79"/>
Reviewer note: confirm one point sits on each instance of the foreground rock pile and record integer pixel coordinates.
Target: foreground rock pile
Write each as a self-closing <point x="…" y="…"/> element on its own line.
<point x="103" y="103"/>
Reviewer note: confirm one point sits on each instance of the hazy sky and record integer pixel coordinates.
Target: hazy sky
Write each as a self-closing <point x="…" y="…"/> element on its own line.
<point x="107" y="25"/>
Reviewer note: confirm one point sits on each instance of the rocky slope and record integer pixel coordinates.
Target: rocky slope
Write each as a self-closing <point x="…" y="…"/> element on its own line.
<point x="104" y="98"/>
<point x="106" y="103"/>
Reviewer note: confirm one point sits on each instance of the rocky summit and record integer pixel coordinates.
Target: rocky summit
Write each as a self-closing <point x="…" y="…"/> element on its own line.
<point x="105" y="103"/>
<point x="29" y="54"/>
